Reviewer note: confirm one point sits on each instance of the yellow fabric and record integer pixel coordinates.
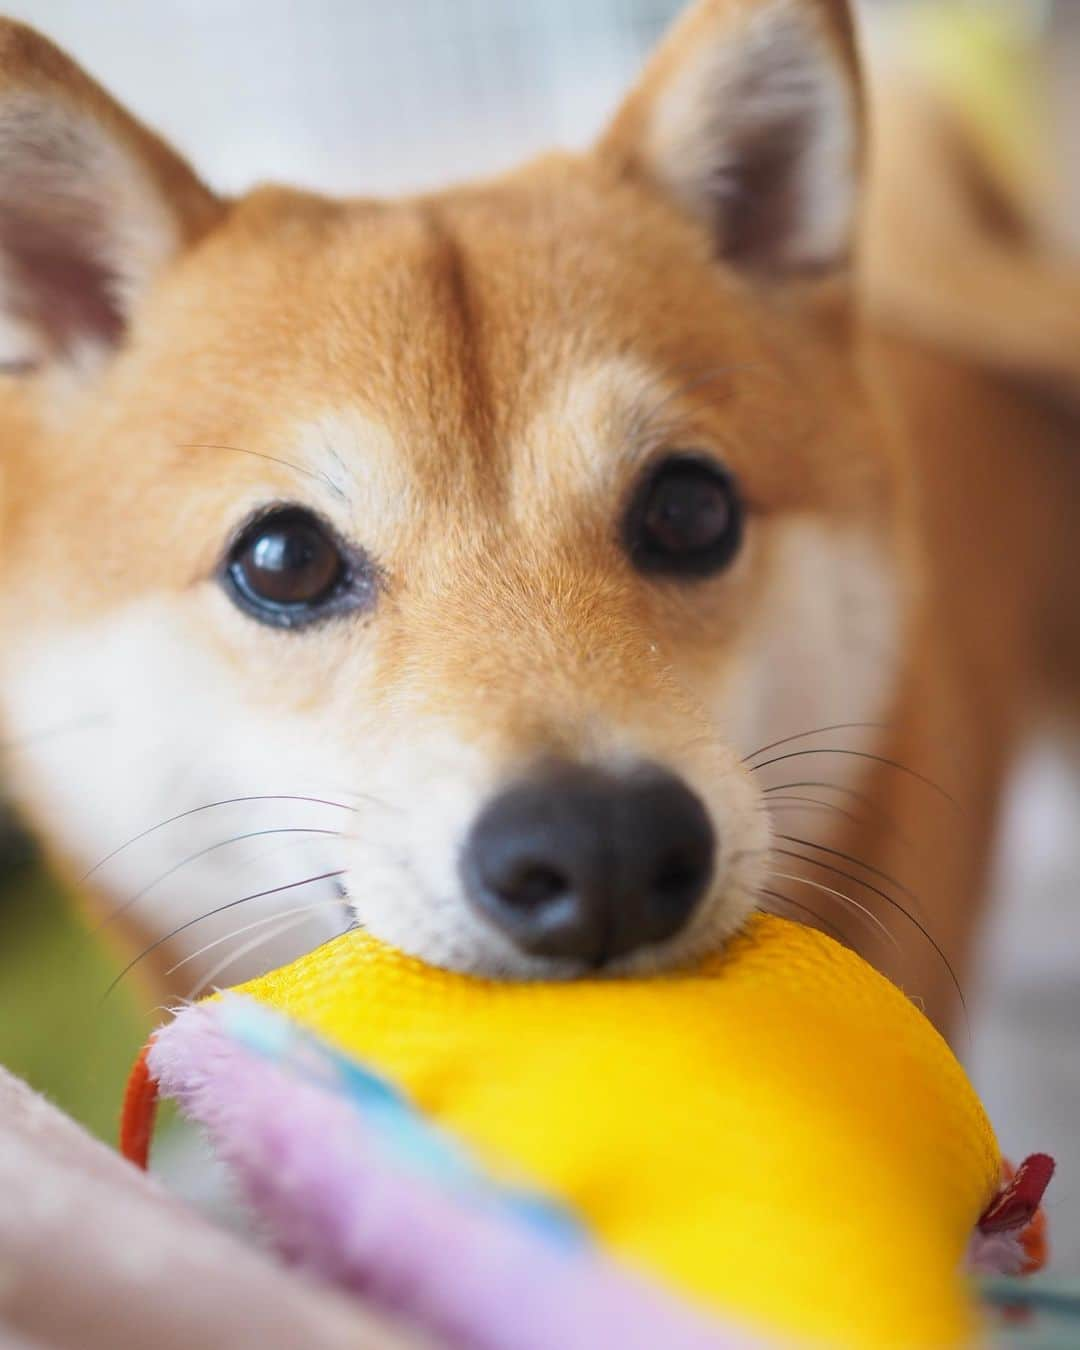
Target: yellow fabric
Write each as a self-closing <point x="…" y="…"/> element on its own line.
<point x="777" y="1133"/>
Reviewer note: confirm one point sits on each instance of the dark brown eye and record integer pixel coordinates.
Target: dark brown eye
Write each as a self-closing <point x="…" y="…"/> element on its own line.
<point x="686" y="518"/>
<point x="287" y="568"/>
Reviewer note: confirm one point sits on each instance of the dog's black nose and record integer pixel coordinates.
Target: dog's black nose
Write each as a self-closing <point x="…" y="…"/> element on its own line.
<point x="587" y="865"/>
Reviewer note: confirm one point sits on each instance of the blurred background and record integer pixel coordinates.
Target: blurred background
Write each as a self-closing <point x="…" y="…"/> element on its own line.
<point x="359" y="96"/>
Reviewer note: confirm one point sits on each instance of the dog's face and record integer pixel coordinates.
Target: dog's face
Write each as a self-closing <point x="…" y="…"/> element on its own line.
<point x="499" y="525"/>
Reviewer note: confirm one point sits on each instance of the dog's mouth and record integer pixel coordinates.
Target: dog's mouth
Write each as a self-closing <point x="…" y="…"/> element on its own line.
<point x="566" y="870"/>
<point x="454" y="933"/>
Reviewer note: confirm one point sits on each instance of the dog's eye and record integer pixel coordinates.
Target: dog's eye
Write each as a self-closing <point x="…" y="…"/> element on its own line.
<point x="686" y="518"/>
<point x="287" y="568"/>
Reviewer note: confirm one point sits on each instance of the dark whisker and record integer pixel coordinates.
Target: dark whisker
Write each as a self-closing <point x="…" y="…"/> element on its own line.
<point x="860" y="909"/>
<point x="792" y="798"/>
<point x="210" y="806"/>
<point x="246" y="948"/>
<point x="889" y="900"/>
<point x="312" y="907"/>
<point x="320" y="478"/>
<point x="194" y="857"/>
<point x="221" y="909"/>
<point x="862" y="754"/>
<point x="863" y="798"/>
<point x="817" y="731"/>
<point x="858" y="862"/>
<point x="798" y="803"/>
<point x="848" y="876"/>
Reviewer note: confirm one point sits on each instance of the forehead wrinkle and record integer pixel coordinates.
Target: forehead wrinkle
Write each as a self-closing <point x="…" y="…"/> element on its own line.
<point x="442" y="385"/>
<point x="463" y="318"/>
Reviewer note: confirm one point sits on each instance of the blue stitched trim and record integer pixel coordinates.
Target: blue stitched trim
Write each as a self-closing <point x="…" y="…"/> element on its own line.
<point x="408" y="1137"/>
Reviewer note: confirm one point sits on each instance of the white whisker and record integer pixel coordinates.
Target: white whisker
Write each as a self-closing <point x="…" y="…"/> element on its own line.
<point x="830" y="890"/>
<point x="257" y="923"/>
<point x="289" y="926"/>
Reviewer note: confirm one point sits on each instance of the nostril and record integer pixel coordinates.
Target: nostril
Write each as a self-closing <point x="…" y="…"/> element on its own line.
<point x="580" y="863"/>
<point x="679" y="876"/>
<point x="533" y="885"/>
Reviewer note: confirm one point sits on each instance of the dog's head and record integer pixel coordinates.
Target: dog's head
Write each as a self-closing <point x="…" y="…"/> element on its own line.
<point x="499" y="524"/>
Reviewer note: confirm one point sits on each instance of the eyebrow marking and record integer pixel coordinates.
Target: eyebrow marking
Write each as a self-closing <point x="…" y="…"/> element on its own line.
<point x="648" y="418"/>
<point x="324" y="479"/>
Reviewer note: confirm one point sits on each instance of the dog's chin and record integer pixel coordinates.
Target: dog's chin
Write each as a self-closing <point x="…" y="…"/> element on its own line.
<point x="474" y="947"/>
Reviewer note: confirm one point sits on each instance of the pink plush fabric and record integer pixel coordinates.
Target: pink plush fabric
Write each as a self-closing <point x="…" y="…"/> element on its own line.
<point x="95" y="1256"/>
<point x="335" y="1192"/>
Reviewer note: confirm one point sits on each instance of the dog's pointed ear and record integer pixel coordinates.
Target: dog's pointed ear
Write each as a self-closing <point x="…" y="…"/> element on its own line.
<point x="92" y="204"/>
<point x="749" y="117"/>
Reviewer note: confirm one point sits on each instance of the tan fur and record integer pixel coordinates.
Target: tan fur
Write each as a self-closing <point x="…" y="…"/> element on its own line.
<point x="961" y="263"/>
<point x="468" y="384"/>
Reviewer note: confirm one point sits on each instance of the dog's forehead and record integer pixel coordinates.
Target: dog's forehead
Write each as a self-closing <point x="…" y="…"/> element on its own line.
<point x="509" y="331"/>
<point x="499" y="355"/>
<point x="459" y="315"/>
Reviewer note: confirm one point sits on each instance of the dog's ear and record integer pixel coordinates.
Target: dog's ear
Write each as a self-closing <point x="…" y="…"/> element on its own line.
<point x="749" y="118"/>
<point x="92" y="204"/>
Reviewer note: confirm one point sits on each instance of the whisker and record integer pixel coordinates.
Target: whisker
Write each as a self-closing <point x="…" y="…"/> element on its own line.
<point x="210" y="806"/>
<point x="194" y="857"/>
<point x="827" y="924"/>
<point x="253" y="944"/>
<point x="256" y="857"/>
<point x="862" y="754"/>
<point x="817" y="731"/>
<point x="221" y="909"/>
<point x="863" y="798"/>
<point x="847" y="899"/>
<point x="795" y="800"/>
<point x="320" y="478"/>
<point x="858" y="862"/>
<point x="798" y="803"/>
<point x="889" y="900"/>
<point x="311" y="908"/>
<point x="848" y="876"/>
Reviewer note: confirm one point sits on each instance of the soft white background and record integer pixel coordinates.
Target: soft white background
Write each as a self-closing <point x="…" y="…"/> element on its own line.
<point x="361" y="96"/>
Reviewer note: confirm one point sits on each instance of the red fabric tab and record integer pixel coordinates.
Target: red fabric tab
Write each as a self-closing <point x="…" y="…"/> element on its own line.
<point x="138" y="1113"/>
<point x="1017" y="1204"/>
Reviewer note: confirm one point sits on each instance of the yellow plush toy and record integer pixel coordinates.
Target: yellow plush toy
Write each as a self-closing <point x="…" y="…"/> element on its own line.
<point x="777" y="1135"/>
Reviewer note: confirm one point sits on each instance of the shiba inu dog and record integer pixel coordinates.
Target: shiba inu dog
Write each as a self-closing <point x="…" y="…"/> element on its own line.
<point x="557" y="567"/>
